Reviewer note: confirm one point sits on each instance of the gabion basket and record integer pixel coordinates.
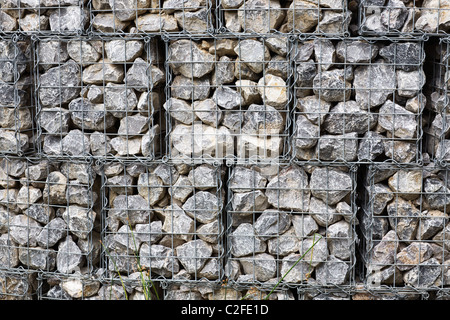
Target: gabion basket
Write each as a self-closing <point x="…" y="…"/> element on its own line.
<point x="291" y="225"/>
<point x="48" y="216"/>
<point x="99" y="97"/>
<point x="17" y="105"/>
<point x="358" y="100"/>
<point x="53" y="17"/>
<point x="228" y="100"/>
<point x="262" y="17"/>
<point x="404" y="18"/>
<point x="160" y="17"/>
<point x="162" y="222"/>
<point x="404" y="223"/>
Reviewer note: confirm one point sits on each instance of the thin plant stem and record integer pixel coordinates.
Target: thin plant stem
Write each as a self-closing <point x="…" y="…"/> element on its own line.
<point x="287" y="272"/>
<point x="115" y="268"/>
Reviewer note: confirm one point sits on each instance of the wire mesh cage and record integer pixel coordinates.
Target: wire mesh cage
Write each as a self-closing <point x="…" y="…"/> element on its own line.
<point x="99" y="97"/>
<point x="291" y="225"/>
<point x="162" y="17"/>
<point x="358" y="100"/>
<point x="44" y="17"/>
<point x="404" y="223"/>
<point x="404" y="18"/>
<point x="17" y="105"/>
<point x="48" y="216"/>
<point x="260" y="17"/>
<point x="17" y="284"/>
<point x="436" y="126"/>
<point x="228" y="99"/>
<point x="163" y="222"/>
<point x="225" y="291"/>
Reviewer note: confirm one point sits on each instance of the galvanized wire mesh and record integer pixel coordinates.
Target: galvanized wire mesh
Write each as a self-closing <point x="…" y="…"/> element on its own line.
<point x="229" y="99"/>
<point x="17" y="105"/>
<point x="404" y="224"/>
<point x="404" y="18"/>
<point x="99" y="97"/>
<point x="292" y="224"/>
<point x="358" y="100"/>
<point x="48" y="218"/>
<point x="164" y="221"/>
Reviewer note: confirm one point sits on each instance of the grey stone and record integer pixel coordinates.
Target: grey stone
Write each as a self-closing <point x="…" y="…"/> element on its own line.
<point x="76" y="143"/>
<point x="260" y="16"/>
<point x="261" y="266"/>
<point x="314" y="250"/>
<point x="104" y="72"/>
<point x="227" y="98"/>
<point x="377" y="75"/>
<point x="253" y="53"/>
<point x="204" y="177"/>
<point x="193" y="255"/>
<point x="289" y="189"/>
<point x="303" y="16"/>
<point x="52" y="53"/>
<point x="119" y="100"/>
<point x="245" y="180"/>
<point x="208" y="112"/>
<point x="273" y="91"/>
<point x="131" y="209"/>
<point x="69" y="257"/>
<point x="330" y="185"/>
<point x="38" y="258"/>
<point x="410" y="84"/>
<point x="107" y="22"/>
<point x="88" y="116"/>
<point x="203" y="206"/>
<point x="431" y="222"/>
<point x="196" y="65"/>
<point x="180" y="110"/>
<point x="304" y="225"/>
<point x="380" y="196"/>
<point x="123" y="50"/>
<point x="271" y="223"/>
<point x="284" y="244"/>
<point x="394" y="15"/>
<point x="343" y="147"/>
<point x="406" y="184"/>
<point x="313" y="108"/>
<point x="126" y="10"/>
<point x="340" y="238"/>
<point x="412" y="255"/>
<point x="334" y="271"/>
<point x="143" y="76"/>
<point x="177" y="223"/>
<point x="83" y="52"/>
<point x="396" y="119"/>
<point x="243" y="241"/>
<point x="161" y="259"/>
<point x="223" y="71"/>
<point x="346" y="117"/>
<point x="404" y="218"/>
<point x="55" y="188"/>
<point x="9" y="252"/>
<point x="59" y="85"/>
<point x="68" y="19"/>
<point x="323" y="213"/>
<point x="370" y="146"/>
<point x="190" y="89"/>
<point x="423" y="275"/>
<point x="324" y="53"/>
<point x="435" y="193"/>
<point x="249" y="203"/>
<point x="297" y="273"/>
<point x="54" y="120"/>
<point x="133" y="125"/>
<point x="51" y="233"/>
<point x="79" y="220"/>
<point x="358" y="51"/>
<point x="151" y="188"/>
<point x="332" y="85"/>
<point x="260" y="119"/>
<point x="406" y="55"/>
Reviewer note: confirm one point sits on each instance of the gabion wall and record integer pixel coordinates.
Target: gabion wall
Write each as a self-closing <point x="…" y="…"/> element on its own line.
<point x="224" y="150"/>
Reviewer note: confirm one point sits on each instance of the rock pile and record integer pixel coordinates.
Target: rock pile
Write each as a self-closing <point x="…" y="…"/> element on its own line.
<point x="17" y="130"/>
<point x="150" y="16"/>
<point x="405" y="222"/>
<point x="44" y="16"/>
<point x="48" y="221"/>
<point x="168" y="216"/>
<point x="394" y="16"/>
<point x="358" y="101"/>
<point x="280" y="214"/>
<point x="269" y="16"/>
<point x="228" y="98"/>
<point x="99" y="98"/>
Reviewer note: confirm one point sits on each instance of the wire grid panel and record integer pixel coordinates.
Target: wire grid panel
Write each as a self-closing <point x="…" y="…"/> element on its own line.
<point x="404" y="223"/>
<point x="162" y="221"/>
<point x="404" y="18"/>
<point x="291" y="224"/>
<point x="202" y="291"/>
<point x="82" y="287"/>
<point x="17" y="105"/>
<point x="160" y="17"/>
<point x="48" y="216"/>
<point x="358" y="100"/>
<point x="436" y="128"/>
<point x="17" y="285"/>
<point x="99" y="97"/>
<point x="44" y="17"/>
<point x="228" y="99"/>
<point x="259" y="17"/>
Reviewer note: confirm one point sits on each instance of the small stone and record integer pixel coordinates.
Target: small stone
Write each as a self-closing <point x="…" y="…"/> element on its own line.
<point x="430" y="224"/>
<point x="265" y="120"/>
<point x="370" y="146"/>
<point x="143" y="76"/>
<point x="334" y="271"/>
<point x="71" y="19"/>
<point x="261" y="266"/>
<point x="83" y="52"/>
<point x="404" y="218"/>
<point x="243" y="241"/>
<point x="178" y="224"/>
<point x="358" y="51"/>
<point x="343" y="147"/>
<point x="151" y="188"/>
<point x="198" y="63"/>
<point x="79" y="220"/>
<point x="133" y="125"/>
<point x="332" y="86"/>
<point x="180" y="110"/>
<point x="157" y="22"/>
<point x="100" y="73"/>
<point x="304" y="225"/>
<point x="313" y="108"/>
<point x="54" y="120"/>
<point x="193" y="255"/>
<point x="190" y="89"/>
<point x="253" y="53"/>
<point x="303" y="16"/>
<point x="76" y="143"/>
<point x="245" y="180"/>
<point x="410" y="84"/>
<point x="406" y="55"/>
<point x="123" y="50"/>
<point x="54" y="231"/>
<point x="131" y="209"/>
<point x="24" y="230"/>
<point x="227" y="98"/>
<point x="273" y="91"/>
<point x="346" y="117"/>
<point x="208" y="112"/>
<point x="260" y="16"/>
<point x="203" y="206"/>
<point x="69" y="257"/>
<point x="412" y="255"/>
<point x="330" y="185"/>
<point x="406" y="183"/>
<point x="340" y="238"/>
<point x="423" y="275"/>
<point x="89" y="116"/>
<point x="271" y="223"/>
<point x="119" y="100"/>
